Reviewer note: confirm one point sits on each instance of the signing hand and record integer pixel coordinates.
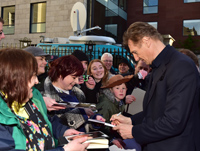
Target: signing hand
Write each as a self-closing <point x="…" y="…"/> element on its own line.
<point x="77" y="145"/>
<point x="117" y="119"/>
<point x="124" y="130"/>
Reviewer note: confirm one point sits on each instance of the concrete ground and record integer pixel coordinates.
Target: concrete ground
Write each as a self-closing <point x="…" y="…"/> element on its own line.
<point x="115" y="148"/>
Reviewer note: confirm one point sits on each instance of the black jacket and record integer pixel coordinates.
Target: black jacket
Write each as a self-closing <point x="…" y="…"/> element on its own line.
<point x="170" y="119"/>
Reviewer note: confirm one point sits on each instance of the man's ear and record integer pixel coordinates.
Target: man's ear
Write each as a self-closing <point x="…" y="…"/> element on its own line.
<point x="146" y="41"/>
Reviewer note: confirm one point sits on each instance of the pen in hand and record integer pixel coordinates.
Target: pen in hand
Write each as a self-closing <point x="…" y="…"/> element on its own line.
<point x="119" y="113"/>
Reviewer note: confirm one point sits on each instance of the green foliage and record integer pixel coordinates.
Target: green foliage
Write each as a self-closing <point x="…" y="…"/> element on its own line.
<point x="189" y="43"/>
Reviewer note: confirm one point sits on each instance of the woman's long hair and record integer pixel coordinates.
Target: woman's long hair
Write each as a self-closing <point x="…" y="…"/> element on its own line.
<point x="16" y="69"/>
<point x="105" y="77"/>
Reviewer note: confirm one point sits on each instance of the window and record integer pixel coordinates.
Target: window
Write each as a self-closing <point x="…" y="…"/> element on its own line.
<point x="191" y="27"/>
<point x="111" y="28"/>
<point x="150" y="6"/>
<point x="8" y="15"/>
<point x="38" y="18"/>
<point x="115" y="1"/>
<point x="154" y="24"/>
<point x="122" y="4"/>
<point x="190" y="1"/>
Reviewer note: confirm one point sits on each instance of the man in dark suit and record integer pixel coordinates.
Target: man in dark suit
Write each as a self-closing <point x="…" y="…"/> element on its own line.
<point x="170" y="118"/>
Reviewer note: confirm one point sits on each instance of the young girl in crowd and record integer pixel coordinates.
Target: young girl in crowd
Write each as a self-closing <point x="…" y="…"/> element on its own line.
<point x="99" y="73"/>
<point x="24" y="123"/>
<point x="63" y="75"/>
<point x="112" y="103"/>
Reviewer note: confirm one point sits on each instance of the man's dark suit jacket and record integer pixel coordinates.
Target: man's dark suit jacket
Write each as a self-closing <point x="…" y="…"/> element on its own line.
<point x="170" y="119"/>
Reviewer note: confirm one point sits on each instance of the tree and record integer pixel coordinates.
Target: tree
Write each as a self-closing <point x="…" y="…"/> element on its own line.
<point x="190" y="43"/>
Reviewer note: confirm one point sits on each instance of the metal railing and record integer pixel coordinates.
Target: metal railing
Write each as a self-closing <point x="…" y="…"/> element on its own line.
<point x="91" y="50"/>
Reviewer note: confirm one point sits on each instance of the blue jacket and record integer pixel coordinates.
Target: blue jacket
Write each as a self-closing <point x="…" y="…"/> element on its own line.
<point x="11" y="134"/>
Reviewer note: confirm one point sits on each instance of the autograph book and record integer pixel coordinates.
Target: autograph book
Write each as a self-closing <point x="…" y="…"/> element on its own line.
<point x="101" y="122"/>
<point x="76" y="105"/>
<point x="97" y="139"/>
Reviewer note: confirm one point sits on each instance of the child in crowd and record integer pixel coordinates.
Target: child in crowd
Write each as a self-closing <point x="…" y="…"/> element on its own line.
<point x="112" y="103"/>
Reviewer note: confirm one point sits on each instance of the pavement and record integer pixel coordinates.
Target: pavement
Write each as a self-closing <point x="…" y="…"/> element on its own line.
<point x="115" y="148"/>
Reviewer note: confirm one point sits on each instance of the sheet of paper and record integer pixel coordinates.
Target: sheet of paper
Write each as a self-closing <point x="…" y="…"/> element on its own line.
<point x="136" y="106"/>
<point x="101" y="122"/>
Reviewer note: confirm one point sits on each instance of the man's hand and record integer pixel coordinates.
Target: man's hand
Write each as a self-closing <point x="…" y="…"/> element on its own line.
<point x="120" y="119"/>
<point x="50" y="104"/>
<point x="77" y="145"/>
<point x="71" y="132"/>
<point x="90" y="83"/>
<point x="130" y="99"/>
<point x="124" y="130"/>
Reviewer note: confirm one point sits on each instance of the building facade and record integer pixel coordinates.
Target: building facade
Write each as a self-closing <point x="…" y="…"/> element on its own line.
<point x="178" y="18"/>
<point x="31" y="19"/>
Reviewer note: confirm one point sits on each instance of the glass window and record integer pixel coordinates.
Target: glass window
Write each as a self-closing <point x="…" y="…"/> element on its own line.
<point x="150" y="6"/>
<point x="154" y="24"/>
<point x="122" y="4"/>
<point x="191" y="27"/>
<point x="115" y="1"/>
<point x="8" y="15"/>
<point x="38" y="18"/>
<point x="190" y="1"/>
<point x="112" y="29"/>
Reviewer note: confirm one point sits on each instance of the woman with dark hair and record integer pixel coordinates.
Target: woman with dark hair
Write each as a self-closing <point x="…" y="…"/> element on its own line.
<point x="24" y="123"/>
<point x="63" y="75"/>
<point x="99" y="73"/>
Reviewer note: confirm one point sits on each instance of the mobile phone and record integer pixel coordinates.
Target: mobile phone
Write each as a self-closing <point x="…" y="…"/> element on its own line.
<point x="85" y="77"/>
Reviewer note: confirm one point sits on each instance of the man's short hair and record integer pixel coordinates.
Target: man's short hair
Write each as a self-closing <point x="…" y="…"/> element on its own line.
<point x="106" y="54"/>
<point x="138" y="30"/>
<point x="1" y="20"/>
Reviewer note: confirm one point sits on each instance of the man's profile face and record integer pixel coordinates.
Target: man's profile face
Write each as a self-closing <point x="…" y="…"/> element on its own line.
<point x="2" y="36"/>
<point x="107" y="61"/>
<point x="140" y="51"/>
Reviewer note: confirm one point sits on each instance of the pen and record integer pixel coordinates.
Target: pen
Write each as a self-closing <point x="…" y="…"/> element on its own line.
<point x="119" y="113"/>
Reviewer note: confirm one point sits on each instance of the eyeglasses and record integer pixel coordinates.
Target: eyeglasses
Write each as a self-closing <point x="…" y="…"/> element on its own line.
<point x="107" y="61"/>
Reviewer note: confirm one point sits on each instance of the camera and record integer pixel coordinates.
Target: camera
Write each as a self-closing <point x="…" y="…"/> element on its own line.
<point x="85" y="77"/>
